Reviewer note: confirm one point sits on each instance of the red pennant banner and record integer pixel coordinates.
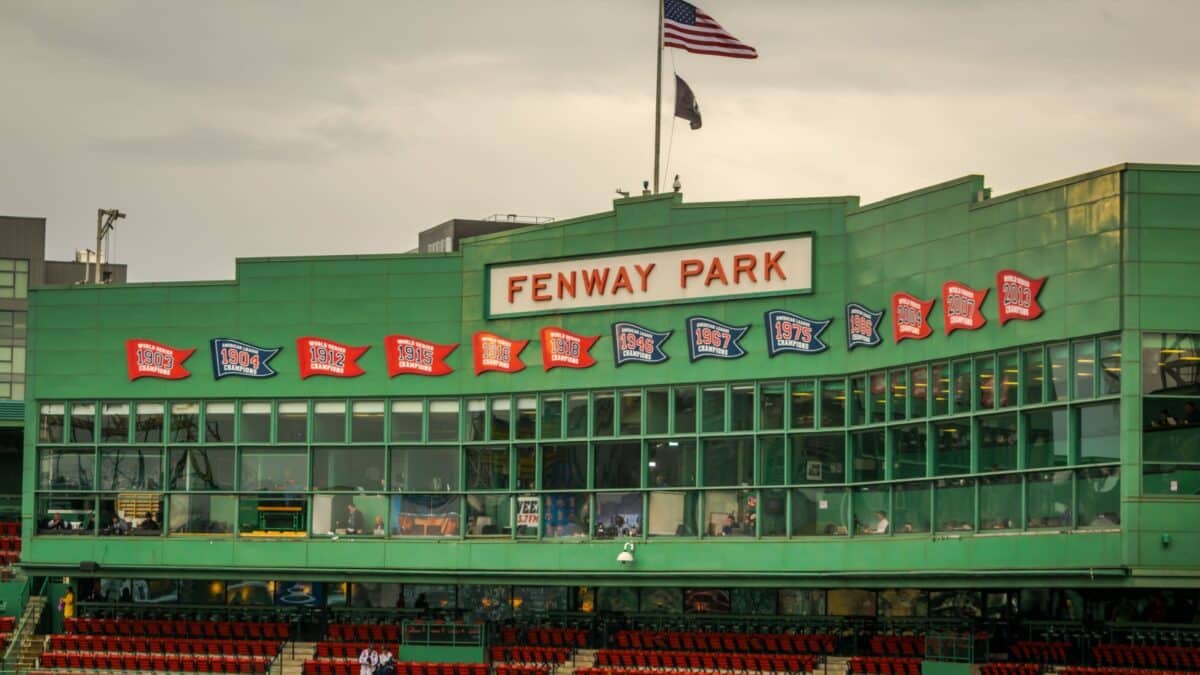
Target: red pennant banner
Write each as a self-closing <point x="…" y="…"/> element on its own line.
<point x="147" y="358"/>
<point x="1018" y="296"/>
<point x="910" y="317"/>
<point x="319" y="356"/>
<point x="960" y="307"/>
<point x="409" y="355"/>
<point x="493" y="352"/>
<point x="563" y="349"/>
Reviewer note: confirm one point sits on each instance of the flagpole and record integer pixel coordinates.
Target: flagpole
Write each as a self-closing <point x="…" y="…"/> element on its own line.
<point x="658" y="48"/>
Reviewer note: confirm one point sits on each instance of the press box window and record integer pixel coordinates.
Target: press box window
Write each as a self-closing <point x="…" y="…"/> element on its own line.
<point x="618" y="465"/>
<point x="672" y="463"/>
<point x="443" y="420"/>
<point x="501" y="422"/>
<point x="256" y="422"/>
<point x="728" y="461"/>
<point x="66" y="469"/>
<point x="329" y="422"/>
<point x="527" y="417"/>
<point x="50" y="422"/>
<point x="218" y="422"/>
<point x="131" y="469"/>
<point x="366" y="422"/>
<point x="185" y="422"/>
<point x="114" y="423"/>
<point x="201" y="469"/>
<point x="148" y="423"/>
<point x="348" y="469"/>
<point x="291" y="422"/>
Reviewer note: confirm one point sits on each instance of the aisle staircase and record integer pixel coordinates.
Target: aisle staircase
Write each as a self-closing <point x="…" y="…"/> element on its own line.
<point x="28" y="645"/>
<point x="291" y="662"/>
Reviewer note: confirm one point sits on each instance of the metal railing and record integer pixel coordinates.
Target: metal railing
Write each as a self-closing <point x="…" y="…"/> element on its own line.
<point x="958" y="647"/>
<point x="20" y="631"/>
<point x="429" y="633"/>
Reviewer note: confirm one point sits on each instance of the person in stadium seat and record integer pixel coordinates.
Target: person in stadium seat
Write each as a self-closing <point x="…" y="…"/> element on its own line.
<point x="379" y="527"/>
<point x="57" y="523"/>
<point x="148" y="523"/>
<point x="882" y="523"/>
<point x="368" y="660"/>
<point x="355" y="523"/>
<point x="117" y="526"/>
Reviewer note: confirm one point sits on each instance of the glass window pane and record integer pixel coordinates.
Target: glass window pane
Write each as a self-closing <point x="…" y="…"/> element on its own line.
<point x="526" y="467"/>
<point x="201" y="469"/>
<point x="489" y="515"/>
<point x="148" y="427"/>
<point x="818" y="458"/>
<point x="603" y="413"/>
<point x="565" y="515"/>
<point x="985" y="382"/>
<point x="1009" y="379"/>
<point x="952" y="447"/>
<point x="1171" y="430"/>
<point x="577" y="415"/>
<point x="1099" y="492"/>
<point x="910" y="448"/>
<point x="729" y="513"/>
<point x="66" y="469"/>
<point x="348" y="469"/>
<point x="961" y="384"/>
<point x="275" y="469"/>
<point x="714" y="409"/>
<point x="631" y="413"/>
<point x="1171" y="479"/>
<point x="770" y="413"/>
<point x="803" y="406"/>
<point x="527" y="414"/>
<point x="256" y="422"/>
<point x="657" y="411"/>
<point x="429" y="469"/>
<point x="1034" y="377"/>
<point x="1046" y="437"/>
<point x="858" y="400"/>
<point x="50" y="422"/>
<point x="955" y="505"/>
<point x="357" y="515"/>
<point x="685" y="410"/>
<point x="1099" y="433"/>
<point x="1000" y="503"/>
<point x="366" y="422"/>
<point x="741" y="407"/>
<point x="618" y="514"/>
<point x="672" y="463"/>
<point x="1084" y="368"/>
<point x="941" y="389"/>
<point x="83" y="423"/>
<point x="772" y="454"/>
<point x="501" y="419"/>
<point x="833" y="403"/>
<point x="1169" y="363"/>
<point x="443" y="420"/>
<point x="918" y="381"/>
<point x="434" y="515"/>
<point x="564" y="467"/>
<point x="66" y="514"/>
<point x="487" y="468"/>
<point x="218" y="422"/>
<point x="185" y="422"/>
<point x="406" y="420"/>
<point x="291" y="422"/>
<point x="329" y="421"/>
<point x="899" y="388"/>
<point x="552" y="416"/>
<point x="1050" y="500"/>
<point x="1060" y="368"/>
<point x="114" y="423"/>
<point x="672" y="514"/>
<point x="912" y="507"/>
<point x="1110" y="366"/>
<point x="131" y="513"/>
<point x="820" y="512"/>
<point x="879" y="398"/>
<point x="131" y="469"/>
<point x="618" y="465"/>
<point x="772" y="513"/>
<point x="868" y="453"/>
<point x="202" y="514"/>
<point x="998" y="442"/>
<point x="871" y="510"/>
<point x="728" y="461"/>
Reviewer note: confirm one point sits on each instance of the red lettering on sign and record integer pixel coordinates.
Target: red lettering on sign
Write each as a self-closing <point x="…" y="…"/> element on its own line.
<point x="622" y="281"/>
<point x="595" y="281"/>
<point x="566" y="285"/>
<point x="716" y="271"/>
<point x="644" y="273"/>
<point x="744" y="264"/>
<point x="514" y="286"/>
<point x="771" y="262"/>
<point x="539" y="287"/>
<point x="689" y="267"/>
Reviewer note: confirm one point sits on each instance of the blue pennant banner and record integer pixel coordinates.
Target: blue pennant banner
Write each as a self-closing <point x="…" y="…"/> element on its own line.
<point x="862" y="326"/>
<point x="637" y="344"/>
<point x="712" y="339"/>
<point x="787" y="332"/>
<point x="234" y="357"/>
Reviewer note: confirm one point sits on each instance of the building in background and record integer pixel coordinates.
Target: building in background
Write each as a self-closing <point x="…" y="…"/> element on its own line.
<point x="445" y="237"/>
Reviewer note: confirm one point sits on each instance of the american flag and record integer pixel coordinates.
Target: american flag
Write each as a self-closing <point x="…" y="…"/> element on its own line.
<point x="686" y="26"/>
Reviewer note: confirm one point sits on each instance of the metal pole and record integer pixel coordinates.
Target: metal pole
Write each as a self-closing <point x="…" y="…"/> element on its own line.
<point x="99" y="236"/>
<point x="658" y="49"/>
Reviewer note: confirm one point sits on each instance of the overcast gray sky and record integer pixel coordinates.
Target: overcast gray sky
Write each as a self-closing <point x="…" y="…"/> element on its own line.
<point x="234" y="129"/>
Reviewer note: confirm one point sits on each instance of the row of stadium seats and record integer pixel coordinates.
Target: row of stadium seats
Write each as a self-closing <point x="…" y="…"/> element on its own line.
<point x="93" y="662"/>
<point x="1010" y="669"/>
<point x="1147" y="656"/>
<point x="350" y="650"/>
<point x="122" y="643"/>
<point x="531" y="654"/>
<point x="885" y="665"/>
<point x="351" y="667"/>
<point x="7" y="623"/>
<point x="1073" y="670"/>
<point x="656" y="660"/>
<point x="364" y="632"/>
<point x="240" y="630"/>
<point x="1040" y="651"/>
<point x="774" y="643"/>
<point x="10" y="528"/>
<point x="898" y="645"/>
<point x="545" y="637"/>
<point x="631" y="671"/>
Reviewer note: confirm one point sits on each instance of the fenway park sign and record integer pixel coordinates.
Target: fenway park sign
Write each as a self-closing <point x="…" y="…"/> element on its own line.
<point x="750" y="267"/>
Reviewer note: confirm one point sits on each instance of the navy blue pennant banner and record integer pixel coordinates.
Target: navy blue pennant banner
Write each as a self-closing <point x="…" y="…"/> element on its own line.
<point x="637" y="344"/>
<point x="234" y="357"/>
<point x="709" y="338"/>
<point x="787" y="332"/>
<point x="862" y="326"/>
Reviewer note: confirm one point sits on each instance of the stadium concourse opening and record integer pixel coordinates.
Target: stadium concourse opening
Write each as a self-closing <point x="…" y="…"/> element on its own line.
<point x="942" y="431"/>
